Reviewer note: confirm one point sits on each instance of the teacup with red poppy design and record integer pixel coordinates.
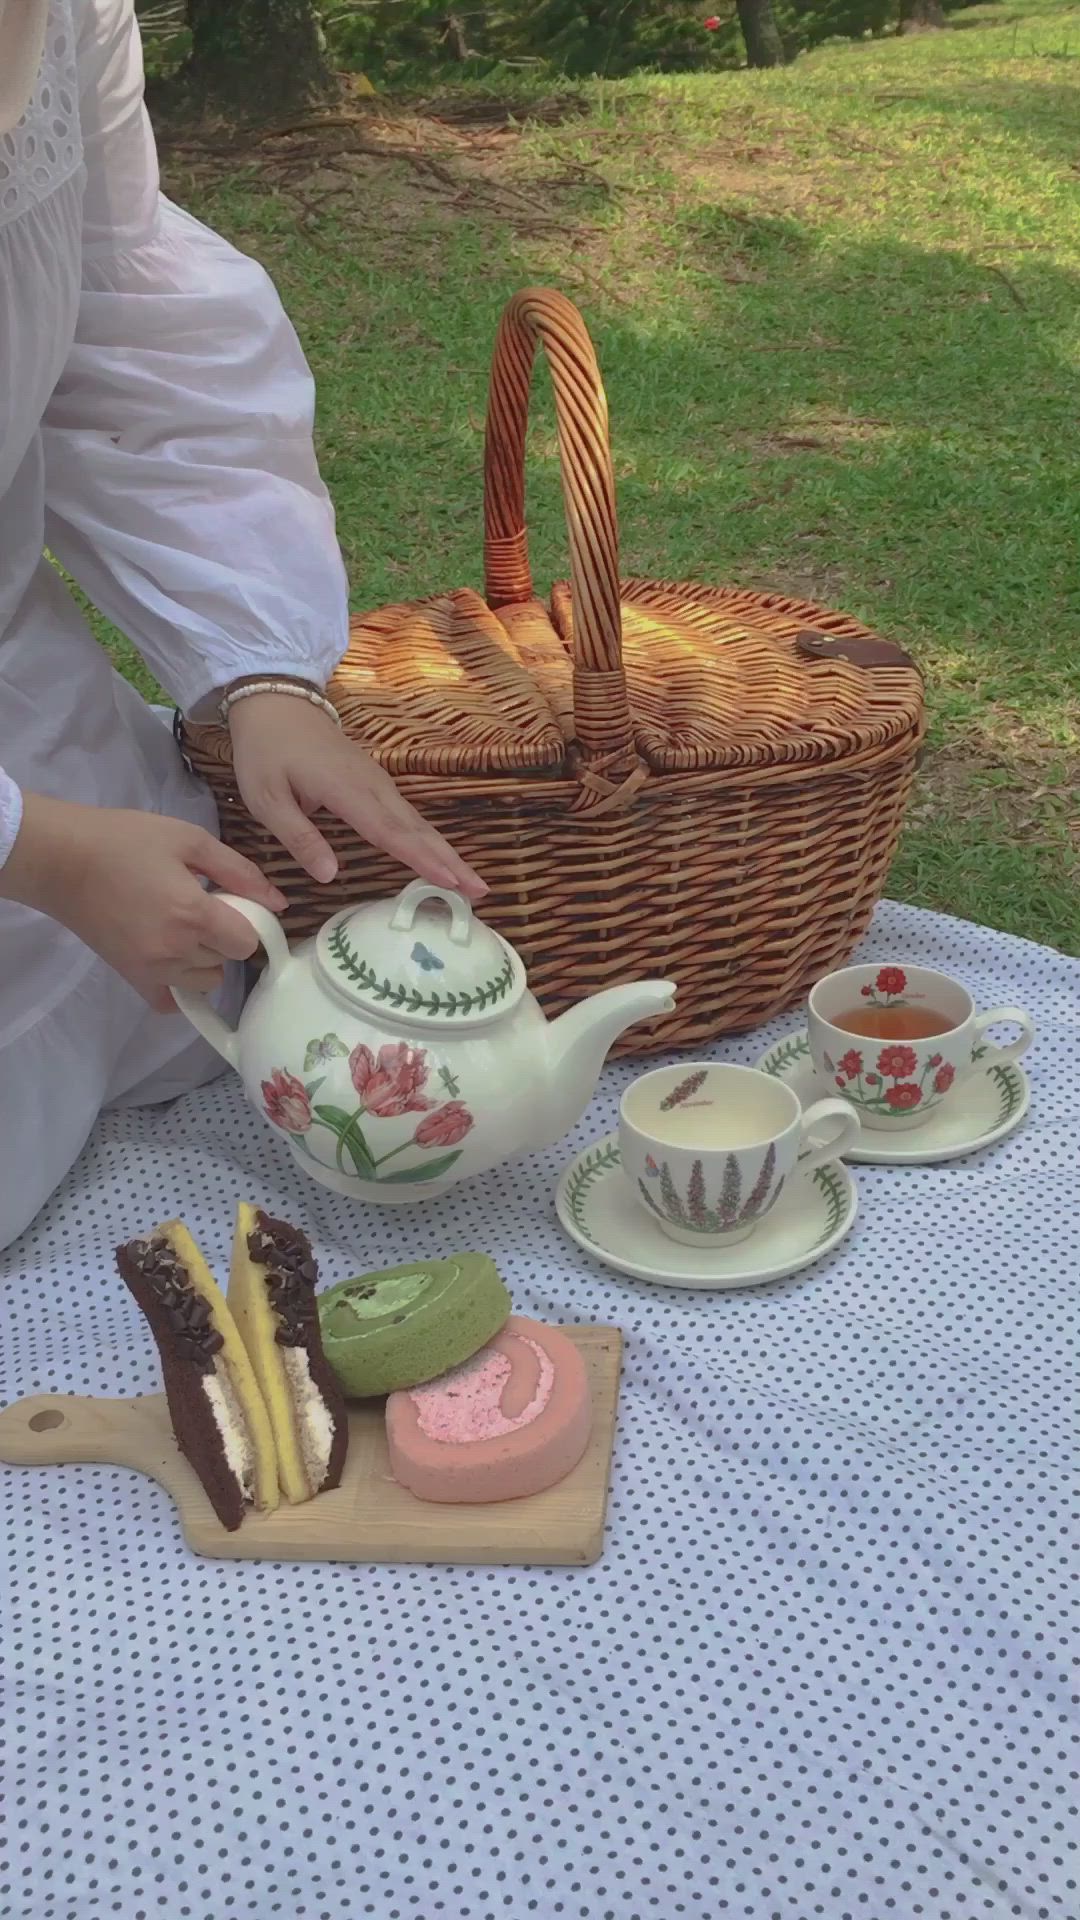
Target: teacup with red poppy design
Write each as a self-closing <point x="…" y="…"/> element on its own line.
<point x="870" y="1045"/>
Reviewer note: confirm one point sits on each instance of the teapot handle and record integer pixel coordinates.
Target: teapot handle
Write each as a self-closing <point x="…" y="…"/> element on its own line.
<point x="196" y="1006"/>
<point x="411" y="899"/>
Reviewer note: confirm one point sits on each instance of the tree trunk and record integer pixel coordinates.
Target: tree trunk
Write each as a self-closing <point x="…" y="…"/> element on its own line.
<point x="257" y="58"/>
<point x="454" y="39"/>
<point x="764" y="47"/>
<point x="916" y="16"/>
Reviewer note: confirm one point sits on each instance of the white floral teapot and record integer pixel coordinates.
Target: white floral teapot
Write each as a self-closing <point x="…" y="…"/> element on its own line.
<point x="400" y="1051"/>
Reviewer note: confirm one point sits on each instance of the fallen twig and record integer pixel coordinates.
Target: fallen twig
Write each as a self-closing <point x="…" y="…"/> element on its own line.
<point x="1006" y="282"/>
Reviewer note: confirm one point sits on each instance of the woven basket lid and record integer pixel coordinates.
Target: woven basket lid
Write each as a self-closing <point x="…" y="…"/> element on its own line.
<point x="617" y="684"/>
<point x="439" y="686"/>
<point x="714" y="678"/>
<point x="421" y="961"/>
<point x="720" y="677"/>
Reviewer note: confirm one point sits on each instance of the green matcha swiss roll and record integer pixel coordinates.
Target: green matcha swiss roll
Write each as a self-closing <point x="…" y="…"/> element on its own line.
<point x="386" y="1331"/>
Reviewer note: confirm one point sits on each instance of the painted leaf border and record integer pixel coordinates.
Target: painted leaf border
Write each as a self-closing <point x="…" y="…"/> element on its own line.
<point x="1010" y="1088"/>
<point x="836" y="1192"/>
<point x="786" y="1054"/>
<point x="403" y="999"/>
<point x="593" y="1163"/>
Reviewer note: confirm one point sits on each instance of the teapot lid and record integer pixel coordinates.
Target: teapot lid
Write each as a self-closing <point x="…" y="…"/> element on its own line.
<point x="411" y="962"/>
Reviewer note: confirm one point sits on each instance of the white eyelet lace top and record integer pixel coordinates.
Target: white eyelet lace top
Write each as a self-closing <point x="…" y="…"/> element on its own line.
<point x="43" y="150"/>
<point x="155" y="436"/>
<point x="155" y="408"/>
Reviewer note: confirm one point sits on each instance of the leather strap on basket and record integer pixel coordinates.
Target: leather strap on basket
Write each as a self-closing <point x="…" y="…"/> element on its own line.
<point x="538" y="315"/>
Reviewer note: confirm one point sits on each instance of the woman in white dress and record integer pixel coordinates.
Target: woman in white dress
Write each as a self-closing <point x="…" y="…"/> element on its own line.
<point x="155" y="436"/>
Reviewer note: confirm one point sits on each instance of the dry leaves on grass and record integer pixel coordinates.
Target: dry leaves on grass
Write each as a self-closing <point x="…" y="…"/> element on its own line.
<point x="1005" y="788"/>
<point x="453" y="154"/>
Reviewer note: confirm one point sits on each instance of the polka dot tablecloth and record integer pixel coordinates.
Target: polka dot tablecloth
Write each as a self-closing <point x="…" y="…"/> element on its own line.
<point x="819" y="1671"/>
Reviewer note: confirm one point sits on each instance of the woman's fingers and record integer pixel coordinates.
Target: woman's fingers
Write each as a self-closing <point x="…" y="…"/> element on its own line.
<point x="206" y="957"/>
<point x="280" y="813"/>
<point x="234" y="874"/>
<point x="187" y="980"/>
<point x="206" y="980"/>
<point x="383" y="817"/>
<point x="289" y="764"/>
<point x="224" y="933"/>
<point x="199" y="979"/>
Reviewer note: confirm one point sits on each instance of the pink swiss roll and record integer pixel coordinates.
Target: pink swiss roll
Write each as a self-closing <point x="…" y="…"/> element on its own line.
<point x="511" y="1421"/>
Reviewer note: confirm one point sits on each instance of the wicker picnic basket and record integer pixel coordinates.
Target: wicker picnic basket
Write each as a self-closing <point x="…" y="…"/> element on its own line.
<point x="655" y="778"/>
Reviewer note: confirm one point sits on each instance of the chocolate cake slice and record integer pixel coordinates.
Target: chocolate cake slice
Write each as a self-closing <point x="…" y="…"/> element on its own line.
<point x="217" y="1410"/>
<point x="272" y="1299"/>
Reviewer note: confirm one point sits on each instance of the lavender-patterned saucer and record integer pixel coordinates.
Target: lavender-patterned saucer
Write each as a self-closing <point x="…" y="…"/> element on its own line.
<point x="597" y="1208"/>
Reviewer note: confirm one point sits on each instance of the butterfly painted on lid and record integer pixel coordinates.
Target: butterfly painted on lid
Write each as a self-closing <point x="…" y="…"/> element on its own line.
<point x="424" y="958"/>
<point x="328" y="1048"/>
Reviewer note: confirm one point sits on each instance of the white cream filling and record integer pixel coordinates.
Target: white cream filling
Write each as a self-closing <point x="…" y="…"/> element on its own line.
<point x="232" y="1426"/>
<point x="314" y="1421"/>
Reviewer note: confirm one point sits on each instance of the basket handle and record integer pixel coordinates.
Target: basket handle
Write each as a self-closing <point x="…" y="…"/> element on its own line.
<point x="539" y="314"/>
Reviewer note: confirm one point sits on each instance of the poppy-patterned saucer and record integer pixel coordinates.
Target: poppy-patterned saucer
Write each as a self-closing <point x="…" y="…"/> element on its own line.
<point x="597" y="1208"/>
<point x="990" y="1105"/>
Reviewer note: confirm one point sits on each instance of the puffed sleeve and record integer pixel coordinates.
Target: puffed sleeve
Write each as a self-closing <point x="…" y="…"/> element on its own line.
<point x="182" y="489"/>
<point x="11" y="810"/>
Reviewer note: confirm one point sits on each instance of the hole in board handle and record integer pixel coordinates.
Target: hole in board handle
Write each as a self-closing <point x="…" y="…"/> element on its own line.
<point x="48" y="1417"/>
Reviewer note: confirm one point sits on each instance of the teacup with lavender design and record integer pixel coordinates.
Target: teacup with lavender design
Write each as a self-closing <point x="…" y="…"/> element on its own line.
<point x="708" y="1149"/>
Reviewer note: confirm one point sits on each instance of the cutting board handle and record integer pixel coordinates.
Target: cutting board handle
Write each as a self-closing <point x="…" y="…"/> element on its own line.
<point x="369" y="1518"/>
<point x="53" y="1428"/>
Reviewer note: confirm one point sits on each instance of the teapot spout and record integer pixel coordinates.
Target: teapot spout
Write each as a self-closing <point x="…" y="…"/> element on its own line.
<point x="579" y="1042"/>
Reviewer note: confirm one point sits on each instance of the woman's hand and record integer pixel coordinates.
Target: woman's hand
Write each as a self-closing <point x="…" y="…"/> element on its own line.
<point x="291" y="760"/>
<point x="129" y="885"/>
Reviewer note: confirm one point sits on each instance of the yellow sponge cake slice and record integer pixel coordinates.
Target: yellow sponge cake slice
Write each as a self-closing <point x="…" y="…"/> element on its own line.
<point x="272" y="1299"/>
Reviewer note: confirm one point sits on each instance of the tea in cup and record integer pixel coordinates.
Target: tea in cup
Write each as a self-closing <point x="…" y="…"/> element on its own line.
<point x="896" y="1041"/>
<point x="708" y="1149"/>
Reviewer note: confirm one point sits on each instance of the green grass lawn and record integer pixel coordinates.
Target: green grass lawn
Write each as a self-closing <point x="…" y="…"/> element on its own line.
<point x="838" y="313"/>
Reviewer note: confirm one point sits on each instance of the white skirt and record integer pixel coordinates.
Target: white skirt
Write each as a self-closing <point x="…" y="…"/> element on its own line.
<point x="74" y="1037"/>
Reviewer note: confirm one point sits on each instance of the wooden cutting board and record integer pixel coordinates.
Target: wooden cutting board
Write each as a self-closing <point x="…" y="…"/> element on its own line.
<point x="369" y="1517"/>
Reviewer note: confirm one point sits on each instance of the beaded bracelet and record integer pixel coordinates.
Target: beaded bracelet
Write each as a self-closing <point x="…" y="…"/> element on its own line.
<point x="310" y="694"/>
